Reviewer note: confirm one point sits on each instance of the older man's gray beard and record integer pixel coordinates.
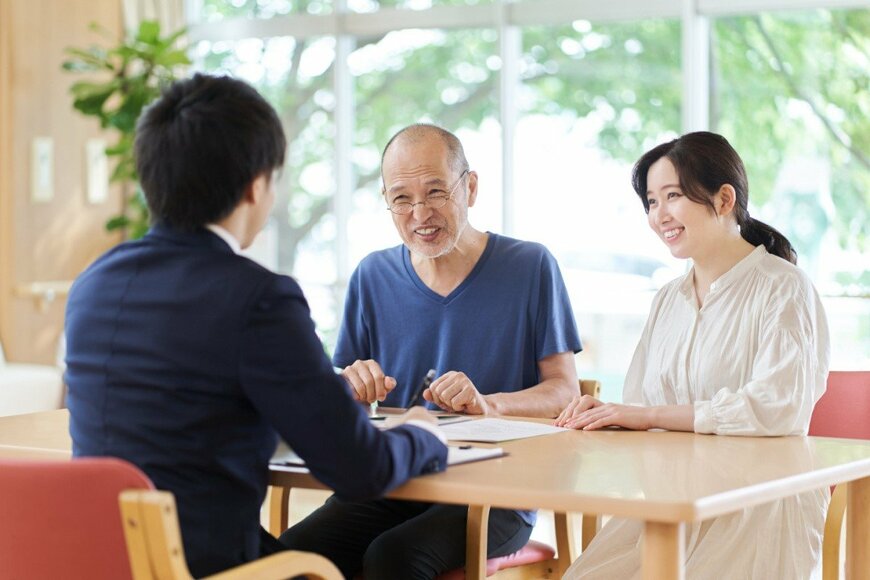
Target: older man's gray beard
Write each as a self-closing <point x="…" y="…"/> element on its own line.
<point x="448" y="247"/>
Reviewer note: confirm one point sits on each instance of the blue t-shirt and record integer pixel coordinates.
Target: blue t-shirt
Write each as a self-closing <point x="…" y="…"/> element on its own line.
<point x="510" y="312"/>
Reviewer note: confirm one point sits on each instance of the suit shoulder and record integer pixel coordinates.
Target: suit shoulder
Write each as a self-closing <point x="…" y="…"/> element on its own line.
<point x="272" y="283"/>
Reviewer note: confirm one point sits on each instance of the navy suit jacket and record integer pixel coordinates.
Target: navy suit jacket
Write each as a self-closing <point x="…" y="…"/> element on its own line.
<point x="189" y="360"/>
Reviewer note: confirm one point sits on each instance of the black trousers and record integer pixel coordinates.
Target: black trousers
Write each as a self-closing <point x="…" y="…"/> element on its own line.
<point x="402" y="540"/>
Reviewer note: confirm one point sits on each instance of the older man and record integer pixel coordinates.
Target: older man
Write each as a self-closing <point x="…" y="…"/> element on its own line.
<point x="490" y="314"/>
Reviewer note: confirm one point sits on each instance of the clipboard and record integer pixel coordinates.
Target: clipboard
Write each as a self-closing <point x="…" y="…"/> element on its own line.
<point x="459" y="454"/>
<point x="456" y="455"/>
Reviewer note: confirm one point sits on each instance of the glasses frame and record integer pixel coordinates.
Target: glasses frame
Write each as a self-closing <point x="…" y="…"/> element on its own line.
<point x="440" y="200"/>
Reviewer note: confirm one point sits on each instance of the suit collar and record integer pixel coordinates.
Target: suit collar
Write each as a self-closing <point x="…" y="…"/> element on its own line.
<point x="201" y="237"/>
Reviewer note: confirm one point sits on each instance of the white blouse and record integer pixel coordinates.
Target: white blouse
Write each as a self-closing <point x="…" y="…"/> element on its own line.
<point x="753" y="360"/>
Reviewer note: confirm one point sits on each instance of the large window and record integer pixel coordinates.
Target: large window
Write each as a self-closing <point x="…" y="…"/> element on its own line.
<point x="554" y="100"/>
<point x="217" y="10"/>
<point x="374" y="5"/>
<point x="792" y="93"/>
<point x="593" y="98"/>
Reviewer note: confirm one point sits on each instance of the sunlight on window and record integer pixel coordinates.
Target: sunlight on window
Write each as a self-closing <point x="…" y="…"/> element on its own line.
<point x="786" y="98"/>
<point x="582" y="126"/>
<point x="789" y="90"/>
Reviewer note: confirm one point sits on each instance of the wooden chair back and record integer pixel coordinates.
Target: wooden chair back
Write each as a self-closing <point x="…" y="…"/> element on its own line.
<point x="60" y="519"/>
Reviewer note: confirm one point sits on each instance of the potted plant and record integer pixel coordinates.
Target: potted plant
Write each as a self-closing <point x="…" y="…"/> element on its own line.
<point x="135" y="71"/>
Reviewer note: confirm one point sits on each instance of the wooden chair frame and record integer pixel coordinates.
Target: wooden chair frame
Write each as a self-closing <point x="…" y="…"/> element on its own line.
<point x="156" y="552"/>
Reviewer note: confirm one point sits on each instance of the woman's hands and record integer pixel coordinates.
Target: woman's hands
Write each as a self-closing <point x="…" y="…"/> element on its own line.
<point x="588" y="413"/>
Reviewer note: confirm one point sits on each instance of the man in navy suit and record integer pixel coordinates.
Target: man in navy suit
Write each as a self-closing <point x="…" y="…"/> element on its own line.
<point x="190" y="360"/>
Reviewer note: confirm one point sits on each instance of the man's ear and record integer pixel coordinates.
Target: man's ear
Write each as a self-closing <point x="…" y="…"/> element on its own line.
<point x="726" y="197"/>
<point x="256" y="189"/>
<point x="472" y="188"/>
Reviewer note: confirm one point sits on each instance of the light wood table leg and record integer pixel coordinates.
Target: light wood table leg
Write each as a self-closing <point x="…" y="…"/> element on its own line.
<point x="590" y="527"/>
<point x="279" y="509"/>
<point x="858" y="530"/>
<point x="564" y="541"/>
<point x="475" y="542"/>
<point x="663" y="548"/>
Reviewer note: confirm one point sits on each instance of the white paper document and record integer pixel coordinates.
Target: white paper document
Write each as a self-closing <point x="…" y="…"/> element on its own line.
<point x="285" y="456"/>
<point x="496" y="430"/>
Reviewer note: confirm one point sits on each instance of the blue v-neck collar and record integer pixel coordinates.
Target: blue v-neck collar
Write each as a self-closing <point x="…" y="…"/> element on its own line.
<point x="445" y="300"/>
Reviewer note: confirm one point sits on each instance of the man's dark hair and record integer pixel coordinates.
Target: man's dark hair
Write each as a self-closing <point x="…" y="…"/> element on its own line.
<point x="201" y="145"/>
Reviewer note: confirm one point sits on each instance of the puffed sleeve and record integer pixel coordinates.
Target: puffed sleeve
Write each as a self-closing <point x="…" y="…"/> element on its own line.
<point x="789" y="370"/>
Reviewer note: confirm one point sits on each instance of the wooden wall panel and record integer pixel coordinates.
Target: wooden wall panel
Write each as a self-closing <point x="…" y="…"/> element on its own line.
<point x="53" y="240"/>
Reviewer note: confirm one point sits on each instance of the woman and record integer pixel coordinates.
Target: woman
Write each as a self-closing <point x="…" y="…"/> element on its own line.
<point x="738" y="346"/>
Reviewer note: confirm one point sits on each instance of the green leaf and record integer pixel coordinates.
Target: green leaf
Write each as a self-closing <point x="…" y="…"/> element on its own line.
<point x="93" y="55"/>
<point x="117" y="222"/>
<point x="86" y="89"/>
<point x="172" y="58"/>
<point x="89" y="98"/>
<point x="79" y="66"/>
<point x="137" y="230"/>
<point x="125" y="170"/>
<point x="149" y="32"/>
<point x="118" y="149"/>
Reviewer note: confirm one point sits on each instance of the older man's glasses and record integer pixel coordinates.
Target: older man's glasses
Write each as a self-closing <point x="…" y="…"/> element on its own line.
<point x="434" y="201"/>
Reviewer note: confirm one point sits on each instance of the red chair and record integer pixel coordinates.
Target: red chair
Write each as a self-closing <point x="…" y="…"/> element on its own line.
<point x="101" y="519"/>
<point x="61" y="519"/>
<point x="843" y="411"/>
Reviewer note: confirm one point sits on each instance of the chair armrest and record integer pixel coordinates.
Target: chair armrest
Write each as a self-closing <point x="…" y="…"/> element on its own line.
<point x="152" y="534"/>
<point x="590" y="387"/>
<point x="284" y="565"/>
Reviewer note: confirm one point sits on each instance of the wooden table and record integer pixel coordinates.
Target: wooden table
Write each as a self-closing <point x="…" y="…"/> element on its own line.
<point x="36" y="436"/>
<point x="663" y="478"/>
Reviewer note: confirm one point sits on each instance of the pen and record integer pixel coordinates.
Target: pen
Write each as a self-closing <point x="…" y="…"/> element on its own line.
<point x="417" y="399"/>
